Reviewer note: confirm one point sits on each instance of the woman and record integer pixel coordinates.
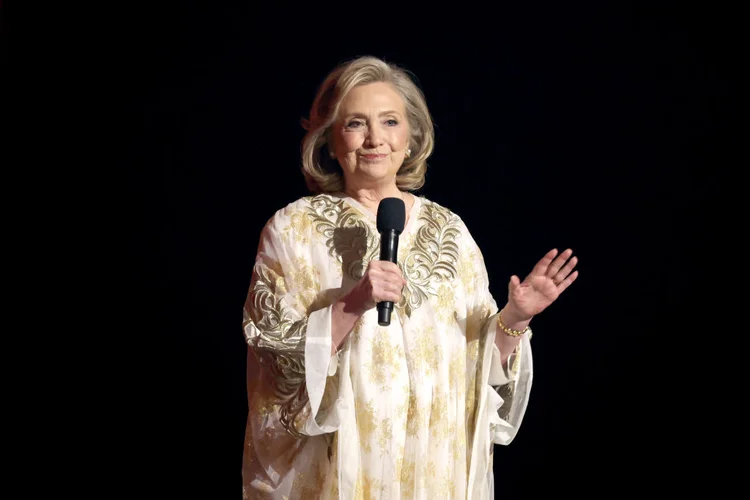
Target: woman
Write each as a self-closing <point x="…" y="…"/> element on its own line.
<point x="341" y="407"/>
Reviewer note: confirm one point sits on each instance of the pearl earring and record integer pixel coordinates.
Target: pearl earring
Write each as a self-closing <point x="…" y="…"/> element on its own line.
<point x="408" y="152"/>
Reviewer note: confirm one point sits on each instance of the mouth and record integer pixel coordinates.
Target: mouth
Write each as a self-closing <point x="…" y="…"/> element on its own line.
<point x="373" y="157"/>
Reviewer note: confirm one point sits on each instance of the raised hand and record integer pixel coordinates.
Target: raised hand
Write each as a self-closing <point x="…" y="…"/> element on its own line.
<point x="549" y="278"/>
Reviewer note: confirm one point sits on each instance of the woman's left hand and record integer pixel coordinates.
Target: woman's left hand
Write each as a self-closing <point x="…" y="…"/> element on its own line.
<point x="549" y="278"/>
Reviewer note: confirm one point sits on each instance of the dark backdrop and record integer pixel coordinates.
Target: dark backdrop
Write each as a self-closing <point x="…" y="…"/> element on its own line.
<point x="595" y="127"/>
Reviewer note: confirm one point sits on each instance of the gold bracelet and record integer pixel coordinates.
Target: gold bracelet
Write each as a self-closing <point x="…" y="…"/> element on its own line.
<point x="510" y="331"/>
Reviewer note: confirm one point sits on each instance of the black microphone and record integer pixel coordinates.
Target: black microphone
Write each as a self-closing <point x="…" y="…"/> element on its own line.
<point x="391" y="218"/>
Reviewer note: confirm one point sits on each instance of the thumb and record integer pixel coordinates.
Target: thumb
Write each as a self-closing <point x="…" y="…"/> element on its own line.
<point x="514" y="283"/>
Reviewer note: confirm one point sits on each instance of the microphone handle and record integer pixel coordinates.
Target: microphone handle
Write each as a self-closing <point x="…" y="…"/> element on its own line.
<point x="389" y="252"/>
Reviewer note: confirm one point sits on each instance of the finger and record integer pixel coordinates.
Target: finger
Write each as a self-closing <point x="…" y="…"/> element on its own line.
<point x="387" y="265"/>
<point x="541" y="267"/>
<point x="386" y="295"/>
<point x="555" y="266"/>
<point x="381" y="272"/>
<point x="395" y="274"/>
<point x="563" y="273"/>
<point x="387" y="284"/>
<point x="386" y="268"/>
<point x="514" y="283"/>
<point x="568" y="281"/>
<point x="391" y="286"/>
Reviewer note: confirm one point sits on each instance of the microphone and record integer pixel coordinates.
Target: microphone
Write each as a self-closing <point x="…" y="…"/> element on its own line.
<point x="390" y="223"/>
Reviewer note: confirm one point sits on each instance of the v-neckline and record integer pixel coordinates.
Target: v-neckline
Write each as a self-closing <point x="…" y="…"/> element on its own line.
<point x="367" y="213"/>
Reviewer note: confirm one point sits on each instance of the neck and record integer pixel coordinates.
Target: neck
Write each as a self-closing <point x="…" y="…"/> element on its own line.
<point x="370" y="197"/>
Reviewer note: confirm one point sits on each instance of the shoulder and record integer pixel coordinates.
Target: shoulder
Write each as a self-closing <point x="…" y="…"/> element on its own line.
<point x="295" y="220"/>
<point x="300" y="207"/>
<point x="447" y="223"/>
<point x="432" y="211"/>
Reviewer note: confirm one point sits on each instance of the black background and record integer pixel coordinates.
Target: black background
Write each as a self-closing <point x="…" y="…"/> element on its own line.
<point x="596" y="127"/>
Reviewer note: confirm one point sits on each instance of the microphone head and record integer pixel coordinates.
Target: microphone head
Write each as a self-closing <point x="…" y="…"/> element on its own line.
<point x="391" y="215"/>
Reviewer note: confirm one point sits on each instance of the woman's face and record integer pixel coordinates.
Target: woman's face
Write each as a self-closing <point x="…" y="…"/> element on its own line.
<point x="370" y="135"/>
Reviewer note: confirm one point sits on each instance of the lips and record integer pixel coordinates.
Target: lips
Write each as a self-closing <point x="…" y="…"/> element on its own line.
<point x="374" y="157"/>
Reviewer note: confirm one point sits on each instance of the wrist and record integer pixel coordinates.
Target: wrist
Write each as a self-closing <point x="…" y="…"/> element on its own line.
<point x="344" y="315"/>
<point x="348" y="305"/>
<point x="512" y="318"/>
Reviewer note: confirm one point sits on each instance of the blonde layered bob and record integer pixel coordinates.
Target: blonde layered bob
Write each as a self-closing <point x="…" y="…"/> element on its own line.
<point x="323" y="174"/>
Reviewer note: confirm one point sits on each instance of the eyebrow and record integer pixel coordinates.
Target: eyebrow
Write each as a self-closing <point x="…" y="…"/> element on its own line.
<point x="360" y="115"/>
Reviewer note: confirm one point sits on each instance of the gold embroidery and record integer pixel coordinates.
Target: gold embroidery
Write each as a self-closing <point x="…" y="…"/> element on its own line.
<point x="446" y="304"/>
<point x="305" y="280"/>
<point x="445" y="484"/>
<point x="433" y="258"/>
<point x="408" y="473"/>
<point x="385" y="359"/>
<point x="263" y="406"/>
<point x="426" y="473"/>
<point x="348" y="237"/>
<point x="424" y="356"/>
<point x="457" y="372"/>
<point x="299" y="228"/>
<point x="403" y="406"/>
<point x="414" y="415"/>
<point x="385" y="435"/>
<point x="366" y="487"/>
<point x="280" y="344"/>
<point x="366" y="424"/>
<point x="469" y="272"/>
<point x="459" y="442"/>
<point x="439" y="416"/>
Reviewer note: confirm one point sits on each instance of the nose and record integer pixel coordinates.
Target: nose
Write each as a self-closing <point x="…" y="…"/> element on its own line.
<point x="374" y="136"/>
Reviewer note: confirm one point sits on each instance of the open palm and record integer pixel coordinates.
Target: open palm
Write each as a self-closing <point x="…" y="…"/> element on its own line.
<point x="549" y="278"/>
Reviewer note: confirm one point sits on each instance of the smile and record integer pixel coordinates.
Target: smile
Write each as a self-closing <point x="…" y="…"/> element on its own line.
<point x="373" y="158"/>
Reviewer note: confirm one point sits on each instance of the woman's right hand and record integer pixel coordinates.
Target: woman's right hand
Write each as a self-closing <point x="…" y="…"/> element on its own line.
<point x="381" y="282"/>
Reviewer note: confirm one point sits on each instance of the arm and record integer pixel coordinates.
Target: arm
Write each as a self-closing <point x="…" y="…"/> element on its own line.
<point x="526" y="299"/>
<point x="506" y="343"/>
<point x="290" y="337"/>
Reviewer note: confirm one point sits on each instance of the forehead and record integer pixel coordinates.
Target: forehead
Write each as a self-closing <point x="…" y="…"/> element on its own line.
<point x="371" y="97"/>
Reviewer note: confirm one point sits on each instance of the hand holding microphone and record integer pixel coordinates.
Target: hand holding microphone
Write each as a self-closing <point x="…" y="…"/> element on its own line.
<point x="390" y="222"/>
<point x="382" y="282"/>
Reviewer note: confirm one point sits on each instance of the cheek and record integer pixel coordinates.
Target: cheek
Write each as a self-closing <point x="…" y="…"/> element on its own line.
<point x="399" y="138"/>
<point x="351" y="141"/>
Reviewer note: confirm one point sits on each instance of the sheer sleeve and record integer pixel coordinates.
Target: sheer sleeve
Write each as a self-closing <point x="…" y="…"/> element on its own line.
<point x="504" y="389"/>
<point x="496" y="396"/>
<point x="287" y="325"/>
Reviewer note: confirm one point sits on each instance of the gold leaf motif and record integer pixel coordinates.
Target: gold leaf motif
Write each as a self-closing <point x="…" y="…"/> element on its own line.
<point x="424" y="357"/>
<point x="366" y="487"/>
<point x="439" y="427"/>
<point x="469" y="271"/>
<point x="299" y="227"/>
<point x="385" y="435"/>
<point x="385" y="359"/>
<point x="366" y="423"/>
<point x="433" y="257"/>
<point x="408" y="473"/>
<point x="280" y="344"/>
<point x="414" y="416"/>
<point x="348" y="237"/>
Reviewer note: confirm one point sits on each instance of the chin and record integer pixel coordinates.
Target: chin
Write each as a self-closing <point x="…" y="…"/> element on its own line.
<point x="377" y="170"/>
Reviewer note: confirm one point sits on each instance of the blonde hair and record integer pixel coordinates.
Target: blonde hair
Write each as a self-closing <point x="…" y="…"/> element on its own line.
<point x="323" y="173"/>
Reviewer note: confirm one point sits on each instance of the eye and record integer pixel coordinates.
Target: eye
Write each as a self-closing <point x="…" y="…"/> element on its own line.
<point x="391" y="122"/>
<point x="354" y="124"/>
